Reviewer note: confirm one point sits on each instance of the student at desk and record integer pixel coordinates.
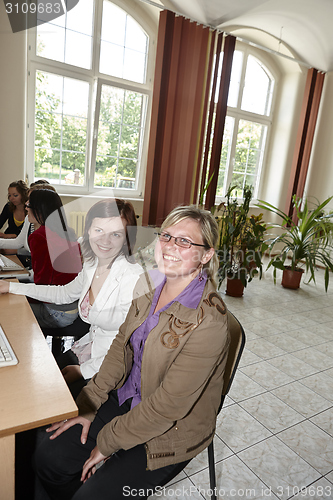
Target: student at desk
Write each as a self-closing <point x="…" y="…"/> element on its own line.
<point x="104" y="287"/>
<point x="55" y="257"/>
<point x="20" y="244"/>
<point x="14" y="211"/>
<point x="152" y="406"/>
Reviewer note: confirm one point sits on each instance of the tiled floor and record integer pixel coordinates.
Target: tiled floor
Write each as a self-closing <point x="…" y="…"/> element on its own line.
<point x="274" y="435"/>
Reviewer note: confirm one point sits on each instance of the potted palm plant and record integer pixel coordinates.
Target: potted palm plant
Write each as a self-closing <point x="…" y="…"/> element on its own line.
<point x="240" y="243"/>
<point x="307" y="243"/>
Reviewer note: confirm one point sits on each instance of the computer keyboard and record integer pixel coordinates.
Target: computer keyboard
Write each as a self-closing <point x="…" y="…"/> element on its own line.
<point x="7" y="264"/>
<point x="7" y="355"/>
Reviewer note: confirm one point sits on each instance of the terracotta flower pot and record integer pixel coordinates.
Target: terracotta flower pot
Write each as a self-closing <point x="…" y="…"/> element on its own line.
<point x="291" y="279"/>
<point x="235" y="287"/>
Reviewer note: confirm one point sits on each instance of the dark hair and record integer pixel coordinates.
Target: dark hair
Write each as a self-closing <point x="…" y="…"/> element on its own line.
<point x="111" y="207"/>
<point x="40" y="182"/>
<point x="22" y="189"/>
<point x="43" y="202"/>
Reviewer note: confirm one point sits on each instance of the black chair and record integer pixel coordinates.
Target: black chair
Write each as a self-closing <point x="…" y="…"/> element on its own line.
<point x="237" y="343"/>
<point x="76" y="330"/>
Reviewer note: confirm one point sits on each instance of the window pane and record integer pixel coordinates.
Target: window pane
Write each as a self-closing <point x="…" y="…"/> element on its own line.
<point x="124" y="45"/>
<point x="60" y="128"/>
<point x="225" y="155"/>
<point x="119" y="137"/>
<point x="69" y="38"/>
<point x="258" y="88"/>
<point x="250" y="145"/>
<point x="51" y="42"/>
<point x="236" y="72"/>
<point x="80" y="18"/>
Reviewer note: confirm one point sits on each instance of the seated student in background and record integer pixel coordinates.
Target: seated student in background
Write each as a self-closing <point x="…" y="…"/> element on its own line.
<point x="55" y="256"/>
<point x="20" y="243"/>
<point x="14" y="211"/>
<point x="152" y="406"/>
<point x="104" y="287"/>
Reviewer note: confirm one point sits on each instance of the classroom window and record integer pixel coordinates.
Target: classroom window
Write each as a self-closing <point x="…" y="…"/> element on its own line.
<point x="89" y="94"/>
<point x="247" y="124"/>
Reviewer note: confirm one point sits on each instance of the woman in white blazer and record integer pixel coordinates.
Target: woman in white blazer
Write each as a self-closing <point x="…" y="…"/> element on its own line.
<point x="104" y="287"/>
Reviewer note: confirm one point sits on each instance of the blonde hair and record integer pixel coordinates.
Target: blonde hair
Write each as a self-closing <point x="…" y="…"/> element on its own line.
<point x="209" y="231"/>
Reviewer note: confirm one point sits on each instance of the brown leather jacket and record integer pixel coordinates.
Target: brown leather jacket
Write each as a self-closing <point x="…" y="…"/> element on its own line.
<point x="181" y="380"/>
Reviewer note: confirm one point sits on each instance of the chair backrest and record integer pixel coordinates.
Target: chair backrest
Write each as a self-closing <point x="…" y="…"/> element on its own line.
<point x="237" y="343"/>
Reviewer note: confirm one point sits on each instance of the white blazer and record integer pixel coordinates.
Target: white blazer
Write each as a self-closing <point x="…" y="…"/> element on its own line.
<point x="108" y="311"/>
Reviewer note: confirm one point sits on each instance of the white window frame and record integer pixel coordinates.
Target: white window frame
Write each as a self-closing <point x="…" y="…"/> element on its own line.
<point x="95" y="80"/>
<point x="238" y="114"/>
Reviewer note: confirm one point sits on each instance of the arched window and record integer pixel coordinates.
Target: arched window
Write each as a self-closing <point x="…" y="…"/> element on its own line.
<point x="247" y="124"/>
<point x="89" y="89"/>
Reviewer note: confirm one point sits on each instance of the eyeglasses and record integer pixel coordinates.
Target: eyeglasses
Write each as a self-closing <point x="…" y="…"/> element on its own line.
<point x="181" y="242"/>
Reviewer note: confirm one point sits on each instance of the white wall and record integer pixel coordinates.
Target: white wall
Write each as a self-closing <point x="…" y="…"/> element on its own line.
<point x="12" y="104"/>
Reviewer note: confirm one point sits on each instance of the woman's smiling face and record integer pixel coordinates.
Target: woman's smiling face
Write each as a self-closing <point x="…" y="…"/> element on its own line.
<point x="177" y="262"/>
<point x="107" y="237"/>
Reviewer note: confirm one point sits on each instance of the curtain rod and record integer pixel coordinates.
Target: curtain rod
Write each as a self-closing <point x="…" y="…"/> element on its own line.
<point x="240" y="39"/>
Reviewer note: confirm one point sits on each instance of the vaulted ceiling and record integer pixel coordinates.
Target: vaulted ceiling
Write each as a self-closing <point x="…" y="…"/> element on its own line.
<point x="303" y="26"/>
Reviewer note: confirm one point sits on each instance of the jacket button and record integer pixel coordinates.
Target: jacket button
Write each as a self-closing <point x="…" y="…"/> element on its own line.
<point x="176" y="428"/>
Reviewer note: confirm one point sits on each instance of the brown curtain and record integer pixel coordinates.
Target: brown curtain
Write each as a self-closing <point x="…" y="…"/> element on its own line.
<point x="306" y="128"/>
<point x="181" y="87"/>
<point x="221" y="111"/>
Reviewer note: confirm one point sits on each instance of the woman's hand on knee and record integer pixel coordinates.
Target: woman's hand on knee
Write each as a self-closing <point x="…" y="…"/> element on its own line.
<point x="89" y="467"/>
<point x="64" y="425"/>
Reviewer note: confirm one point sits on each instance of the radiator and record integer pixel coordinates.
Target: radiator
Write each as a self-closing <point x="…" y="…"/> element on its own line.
<point x="77" y="220"/>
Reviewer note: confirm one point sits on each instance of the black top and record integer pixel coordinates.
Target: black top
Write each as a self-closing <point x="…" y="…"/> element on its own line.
<point x="7" y="216"/>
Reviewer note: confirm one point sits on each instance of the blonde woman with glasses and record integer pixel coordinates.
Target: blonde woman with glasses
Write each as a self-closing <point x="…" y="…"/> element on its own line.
<point x="152" y="406"/>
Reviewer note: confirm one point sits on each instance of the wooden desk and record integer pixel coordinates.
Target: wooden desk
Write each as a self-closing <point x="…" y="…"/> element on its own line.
<point x="33" y="393"/>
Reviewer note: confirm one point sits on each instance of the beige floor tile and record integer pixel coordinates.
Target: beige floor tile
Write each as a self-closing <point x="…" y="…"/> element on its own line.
<point x="323" y="330"/>
<point x="292" y="366"/>
<point x="302" y="399"/>
<point x="314" y="358"/>
<point x="243" y="387"/>
<point x="326" y="348"/>
<point x="233" y="480"/>
<point x="200" y="462"/>
<point x="271" y="412"/>
<point x="329" y="372"/>
<point x="238" y="429"/>
<point x="306" y="336"/>
<point x="263" y="348"/>
<point x="266" y="375"/>
<point x="310" y="443"/>
<point x="278" y="466"/>
<point x="286" y="342"/>
<point x="319" y="490"/>
<point x="299" y="320"/>
<point x="181" y="490"/>
<point x="321" y="384"/>
<point x="324" y="420"/>
<point x="248" y="358"/>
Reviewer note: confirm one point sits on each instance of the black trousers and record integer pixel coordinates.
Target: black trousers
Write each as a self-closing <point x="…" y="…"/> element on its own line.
<point x="59" y="464"/>
<point x="70" y="358"/>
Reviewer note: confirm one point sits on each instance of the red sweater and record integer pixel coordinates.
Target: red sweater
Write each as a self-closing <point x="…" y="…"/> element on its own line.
<point x="54" y="260"/>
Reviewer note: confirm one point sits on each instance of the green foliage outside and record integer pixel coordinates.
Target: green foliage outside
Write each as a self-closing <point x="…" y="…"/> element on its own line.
<point x="61" y="140"/>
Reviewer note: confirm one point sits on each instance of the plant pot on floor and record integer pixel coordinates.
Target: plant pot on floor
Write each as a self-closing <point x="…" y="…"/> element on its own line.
<point x="235" y="287"/>
<point x="291" y="278"/>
